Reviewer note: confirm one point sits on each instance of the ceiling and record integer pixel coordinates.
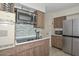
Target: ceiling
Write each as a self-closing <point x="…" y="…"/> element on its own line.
<point x="54" y="7"/>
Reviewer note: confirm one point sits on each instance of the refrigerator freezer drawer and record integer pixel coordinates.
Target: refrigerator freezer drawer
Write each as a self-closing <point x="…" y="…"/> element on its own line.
<point x="76" y="46"/>
<point x="67" y="44"/>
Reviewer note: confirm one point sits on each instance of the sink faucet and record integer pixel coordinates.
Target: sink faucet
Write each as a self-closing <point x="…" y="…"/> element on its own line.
<point x="37" y="34"/>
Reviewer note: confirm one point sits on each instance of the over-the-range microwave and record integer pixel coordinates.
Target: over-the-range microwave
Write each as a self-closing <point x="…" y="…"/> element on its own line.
<point x="25" y="17"/>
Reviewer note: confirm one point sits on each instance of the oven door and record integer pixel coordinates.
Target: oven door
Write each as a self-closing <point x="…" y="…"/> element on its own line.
<point x="6" y="35"/>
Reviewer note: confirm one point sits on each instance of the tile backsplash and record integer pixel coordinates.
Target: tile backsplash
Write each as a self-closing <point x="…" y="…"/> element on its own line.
<point x="25" y="30"/>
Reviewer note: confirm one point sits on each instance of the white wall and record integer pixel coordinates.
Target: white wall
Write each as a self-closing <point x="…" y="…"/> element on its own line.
<point x="65" y="12"/>
<point x="48" y="24"/>
<point x="37" y="6"/>
<point x="49" y="17"/>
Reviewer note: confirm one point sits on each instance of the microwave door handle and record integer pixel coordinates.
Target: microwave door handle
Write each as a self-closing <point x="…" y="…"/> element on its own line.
<point x="32" y="18"/>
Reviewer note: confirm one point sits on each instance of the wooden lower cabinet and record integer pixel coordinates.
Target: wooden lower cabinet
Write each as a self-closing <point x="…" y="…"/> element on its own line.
<point x="38" y="48"/>
<point x="42" y="51"/>
<point x="57" y="41"/>
<point x="28" y="52"/>
<point x="37" y="51"/>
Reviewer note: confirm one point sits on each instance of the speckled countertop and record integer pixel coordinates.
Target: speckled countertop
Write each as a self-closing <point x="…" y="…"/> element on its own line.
<point x="32" y="41"/>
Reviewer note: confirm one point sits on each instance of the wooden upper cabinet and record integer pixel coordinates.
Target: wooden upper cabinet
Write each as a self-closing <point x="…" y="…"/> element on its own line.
<point x="39" y="19"/>
<point x="9" y="7"/>
<point x="58" y="22"/>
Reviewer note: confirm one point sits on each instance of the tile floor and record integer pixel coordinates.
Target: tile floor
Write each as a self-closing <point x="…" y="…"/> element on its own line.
<point x="57" y="52"/>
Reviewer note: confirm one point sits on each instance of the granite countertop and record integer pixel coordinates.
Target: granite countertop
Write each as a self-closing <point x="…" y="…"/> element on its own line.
<point x="21" y="37"/>
<point x="33" y="41"/>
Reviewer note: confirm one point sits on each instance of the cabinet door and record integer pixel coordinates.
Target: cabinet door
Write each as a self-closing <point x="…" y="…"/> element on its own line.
<point x="41" y="50"/>
<point x="36" y="51"/>
<point x="28" y="52"/>
<point x="39" y="19"/>
<point x="9" y="7"/>
<point x="76" y="46"/>
<point x="0" y="6"/>
<point x="8" y="52"/>
<point x="58" y="22"/>
<point x="53" y="41"/>
<point x="57" y="41"/>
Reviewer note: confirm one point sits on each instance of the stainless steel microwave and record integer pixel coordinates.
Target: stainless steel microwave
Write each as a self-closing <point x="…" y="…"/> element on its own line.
<point x="24" y="17"/>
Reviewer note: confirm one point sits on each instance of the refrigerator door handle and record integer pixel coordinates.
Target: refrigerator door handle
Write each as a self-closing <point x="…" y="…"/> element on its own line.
<point x="67" y="36"/>
<point x="75" y="36"/>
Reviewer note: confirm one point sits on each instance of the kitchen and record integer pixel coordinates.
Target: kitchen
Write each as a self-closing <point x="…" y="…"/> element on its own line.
<point x="35" y="31"/>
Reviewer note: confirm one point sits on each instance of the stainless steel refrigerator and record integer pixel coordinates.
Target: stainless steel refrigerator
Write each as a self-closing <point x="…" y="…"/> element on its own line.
<point x="71" y="36"/>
